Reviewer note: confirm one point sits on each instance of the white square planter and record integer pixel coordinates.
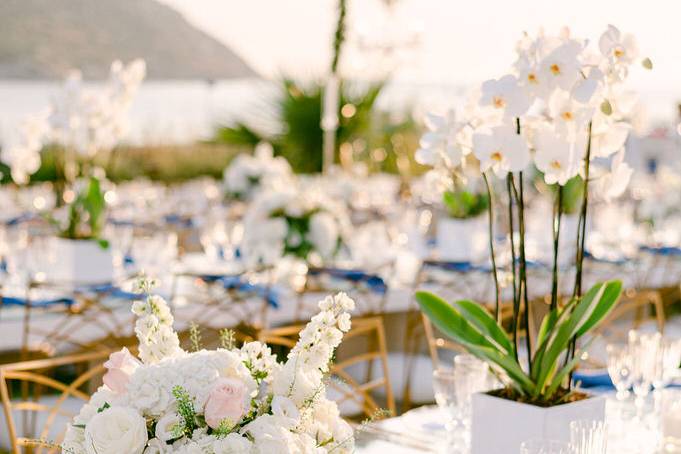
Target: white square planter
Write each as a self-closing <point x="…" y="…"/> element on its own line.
<point x="462" y="240"/>
<point x="81" y="262"/>
<point x="499" y="426"/>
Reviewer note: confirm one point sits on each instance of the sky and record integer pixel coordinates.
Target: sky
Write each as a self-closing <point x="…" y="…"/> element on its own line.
<point x="461" y="42"/>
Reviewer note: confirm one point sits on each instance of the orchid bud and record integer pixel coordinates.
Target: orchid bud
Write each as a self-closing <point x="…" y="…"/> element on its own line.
<point x="647" y="63"/>
<point x="606" y="107"/>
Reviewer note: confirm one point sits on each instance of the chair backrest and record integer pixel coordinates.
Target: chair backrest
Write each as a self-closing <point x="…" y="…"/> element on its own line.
<point x="364" y="349"/>
<point x="84" y="324"/>
<point x="215" y="305"/>
<point x="635" y="308"/>
<point x="368" y="291"/>
<point x="40" y="397"/>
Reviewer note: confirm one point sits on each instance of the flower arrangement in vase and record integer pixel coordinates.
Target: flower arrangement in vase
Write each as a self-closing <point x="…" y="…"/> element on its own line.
<point x="229" y="400"/>
<point x="304" y="225"/>
<point x="248" y="174"/>
<point x="561" y="108"/>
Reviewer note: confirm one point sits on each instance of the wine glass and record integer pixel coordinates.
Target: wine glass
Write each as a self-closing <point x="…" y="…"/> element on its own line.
<point x="589" y="437"/>
<point x="444" y="387"/>
<point x="619" y="369"/>
<point x="539" y="446"/>
<point x="644" y="349"/>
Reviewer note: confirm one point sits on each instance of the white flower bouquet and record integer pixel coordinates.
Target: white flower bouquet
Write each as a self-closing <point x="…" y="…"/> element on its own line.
<point x="305" y="225"/>
<point x="247" y="174"/>
<point x="222" y="401"/>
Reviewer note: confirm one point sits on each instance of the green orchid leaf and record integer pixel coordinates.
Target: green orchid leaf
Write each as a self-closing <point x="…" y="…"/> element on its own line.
<point x="448" y="320"/>
<point x="485" y="322"/>
<point x="606" y="303"/>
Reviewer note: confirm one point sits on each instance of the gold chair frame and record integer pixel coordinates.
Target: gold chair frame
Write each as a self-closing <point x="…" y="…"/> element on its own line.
<point x="33" y="372"/>
<point x="360" y="393"/>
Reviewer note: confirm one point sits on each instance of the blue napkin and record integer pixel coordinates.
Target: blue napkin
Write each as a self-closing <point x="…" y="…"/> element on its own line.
<point x="236" y="283"/>
<point x="600" y="381"/>
<point x="41" y="303"/>
<point x="663" y="250"/>
<point x="375" y="283"/>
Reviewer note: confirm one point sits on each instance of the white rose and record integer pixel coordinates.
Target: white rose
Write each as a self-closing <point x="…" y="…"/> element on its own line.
<point x="233" y="444"/>
<point x="166" y="426"/>
<point x="116" y="430"/>
<point x="156" y="446"/>
<point x="323" y="233"/>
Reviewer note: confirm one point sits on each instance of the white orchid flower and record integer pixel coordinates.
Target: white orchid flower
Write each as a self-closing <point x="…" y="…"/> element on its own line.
<point x="620" y="47"/>
<point x="502" y="150"/>
<point x="569" y="116"/>
<point x="607" y="136"/>
<point x="505" y="95"/>
<point x="440" y="144"/>
<point x="561" y="68"/>
<point x="613" y="184"/>
<point x="558" y="158"/>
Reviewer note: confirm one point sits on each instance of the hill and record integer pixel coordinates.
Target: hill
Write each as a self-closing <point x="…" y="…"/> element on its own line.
<point x="44" y="39"/>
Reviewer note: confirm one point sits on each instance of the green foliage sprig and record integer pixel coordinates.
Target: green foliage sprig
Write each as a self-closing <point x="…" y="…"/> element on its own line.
<point x="462" y="204"/>
<point x="186" y="411"/>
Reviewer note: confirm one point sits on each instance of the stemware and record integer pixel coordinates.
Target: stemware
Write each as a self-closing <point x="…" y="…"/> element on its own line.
<point x="667" y="363"/>
<point x="644" y="349"/>
<point x="446" y="397"/>
<point x="539" y="446"/>
<point x="589" y="437"/>
<point x="619" y="369"/>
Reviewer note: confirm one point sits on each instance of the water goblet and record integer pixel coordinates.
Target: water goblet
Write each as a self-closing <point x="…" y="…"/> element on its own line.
<point x="539" y="446"/>
<point x="589" y="437"/>
<point x="446" y="397"/>
<point x="619" y="369"/>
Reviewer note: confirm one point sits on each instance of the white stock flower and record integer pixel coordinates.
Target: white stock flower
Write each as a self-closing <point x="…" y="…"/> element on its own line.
<point x="505" y="95"/>
<point x="502" y="150"/>
<point x="116" y="430"/>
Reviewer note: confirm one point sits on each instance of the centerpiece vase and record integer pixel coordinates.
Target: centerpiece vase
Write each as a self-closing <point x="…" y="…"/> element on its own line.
<point x="500" y="425"/>
<point x="81" y="262"/>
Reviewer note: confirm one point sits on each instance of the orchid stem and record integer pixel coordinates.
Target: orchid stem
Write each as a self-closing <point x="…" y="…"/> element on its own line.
<point x="558" y="212"/>
<point x="497" y="305"/>
<point x="516" y="296"/>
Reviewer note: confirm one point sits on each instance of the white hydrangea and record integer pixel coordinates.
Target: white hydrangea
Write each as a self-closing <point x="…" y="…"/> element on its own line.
<point x="247" y="175"/>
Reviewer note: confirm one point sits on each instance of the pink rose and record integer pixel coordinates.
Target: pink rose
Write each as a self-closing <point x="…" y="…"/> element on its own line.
<point x="120" y="367"/>
<point x="227" y="400"/>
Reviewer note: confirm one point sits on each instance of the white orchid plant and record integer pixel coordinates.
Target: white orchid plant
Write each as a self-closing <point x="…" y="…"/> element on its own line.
<point x="249" y="174"/>
<point x="225" y="401"/>
<point x="562" y="108"/>
<point x="82" y="120"/>
<point x="302" y="224"/>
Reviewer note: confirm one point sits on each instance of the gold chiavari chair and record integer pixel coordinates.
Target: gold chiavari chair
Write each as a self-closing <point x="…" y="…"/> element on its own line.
<point x="370" y="299"/>
<point x="87" y="324"/>
<point x="635" y="308"/>
<point x="40" y="398"/>
<point x="353" y="385"/>
<point x="214" y="307"/>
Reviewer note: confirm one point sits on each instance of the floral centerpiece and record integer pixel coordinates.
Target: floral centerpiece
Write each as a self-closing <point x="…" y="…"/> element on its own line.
<point x="562" y="107"/>
<point x="304" y="225"/>
<point x="247" y="174"/>
<point x="229" y="400"/>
